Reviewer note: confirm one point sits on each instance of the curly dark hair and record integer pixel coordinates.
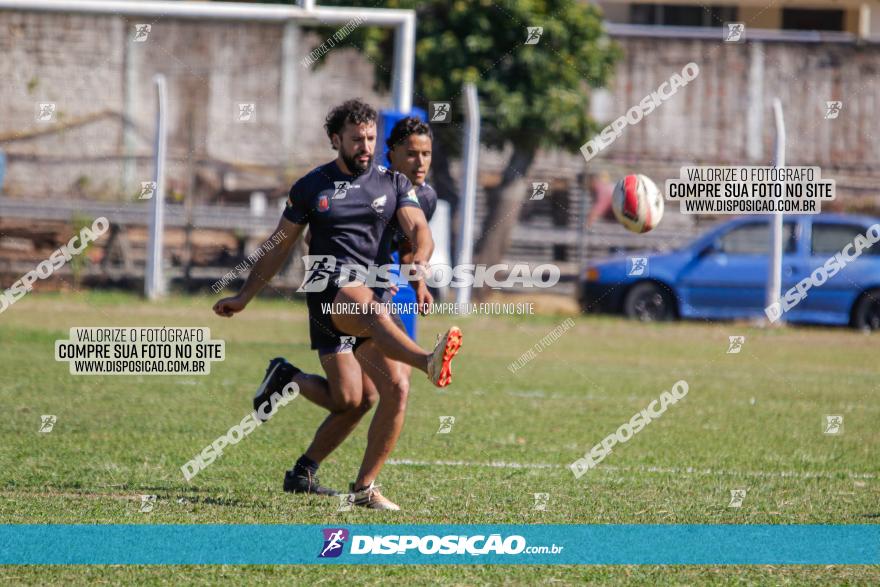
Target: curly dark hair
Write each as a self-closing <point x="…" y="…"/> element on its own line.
<point x="355" y="111"/>
<point x="406" y="127"/>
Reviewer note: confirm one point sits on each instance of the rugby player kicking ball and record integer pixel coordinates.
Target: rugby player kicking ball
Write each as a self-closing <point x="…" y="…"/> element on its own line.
<point x="348" y="204"/>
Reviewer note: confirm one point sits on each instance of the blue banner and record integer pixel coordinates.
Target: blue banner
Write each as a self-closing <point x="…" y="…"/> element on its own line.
<point x="441" y="544"/>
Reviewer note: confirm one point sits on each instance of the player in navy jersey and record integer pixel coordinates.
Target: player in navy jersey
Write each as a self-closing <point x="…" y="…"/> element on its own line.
<point x="410" y="148"/>
<point x="409" y="151"/>
<point x="348" y="204"/>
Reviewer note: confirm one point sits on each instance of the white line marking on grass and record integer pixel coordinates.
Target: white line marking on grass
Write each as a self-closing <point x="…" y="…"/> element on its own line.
<point x="493" y="464"/>
<point x="775" y="474"/>
<point x="615" y="469"/>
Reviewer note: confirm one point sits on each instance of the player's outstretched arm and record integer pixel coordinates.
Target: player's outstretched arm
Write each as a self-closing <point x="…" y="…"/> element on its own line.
<point x="265" y="269"/>
<point x="424" y="299"/>
<point x="417" y="249"/>
<point x="415" y="226"/>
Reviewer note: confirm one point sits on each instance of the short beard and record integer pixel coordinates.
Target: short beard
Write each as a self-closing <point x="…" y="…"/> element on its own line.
<point x="354" y="166"/>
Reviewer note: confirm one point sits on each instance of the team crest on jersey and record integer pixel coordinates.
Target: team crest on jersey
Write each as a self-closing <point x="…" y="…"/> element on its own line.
<point x="412" y="197"/>
<point x="342" y="188"/>
<point x="378" y="204"/>
<point x="323" y="203"/>
<point x="382" y="168"/>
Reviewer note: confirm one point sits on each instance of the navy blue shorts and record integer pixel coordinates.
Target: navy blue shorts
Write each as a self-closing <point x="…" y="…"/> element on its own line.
<point x="325" y="337"/>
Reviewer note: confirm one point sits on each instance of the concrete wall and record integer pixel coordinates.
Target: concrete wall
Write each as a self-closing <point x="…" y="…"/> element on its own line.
<point x="715" y="117"/>
<point x="76" y="63"/>
<point x="724" y="116"/>
<point x="89" y="65"/>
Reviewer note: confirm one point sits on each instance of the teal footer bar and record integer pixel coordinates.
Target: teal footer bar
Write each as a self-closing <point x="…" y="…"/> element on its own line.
<point x="441" y="544"/>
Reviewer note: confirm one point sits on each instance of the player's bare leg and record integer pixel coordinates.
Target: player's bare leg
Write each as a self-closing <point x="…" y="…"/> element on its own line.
<point x="374" y="322"/>
<point x="344" y="380"/>
<point x="347" y="404"/>
<point x="371" y="321"/>
<point x="315" y="389"/>
<point x="392" y="384"/>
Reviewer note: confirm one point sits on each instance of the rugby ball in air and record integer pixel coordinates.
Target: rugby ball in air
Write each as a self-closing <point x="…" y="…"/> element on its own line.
<point x="637" y="203"/>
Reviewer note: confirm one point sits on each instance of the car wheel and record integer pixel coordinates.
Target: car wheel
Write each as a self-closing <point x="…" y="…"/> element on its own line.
<point x="866" y="315"/>
<point x="648" y="302"/>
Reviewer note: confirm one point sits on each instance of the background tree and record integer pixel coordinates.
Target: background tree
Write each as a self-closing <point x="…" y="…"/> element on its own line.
<point x="531" y="96"/>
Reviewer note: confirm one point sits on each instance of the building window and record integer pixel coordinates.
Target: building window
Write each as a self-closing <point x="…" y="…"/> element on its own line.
<point x="681" y="15"/>
<point x="802" y="19"/>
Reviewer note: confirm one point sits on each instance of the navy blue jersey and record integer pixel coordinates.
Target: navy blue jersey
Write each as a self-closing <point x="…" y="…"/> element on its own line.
<point x="394" y="235"/>
<point x="347" y="215"/>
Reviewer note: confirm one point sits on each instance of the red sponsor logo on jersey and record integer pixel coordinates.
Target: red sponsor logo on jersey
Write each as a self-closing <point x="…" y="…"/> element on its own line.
<point x="323" y="203"/>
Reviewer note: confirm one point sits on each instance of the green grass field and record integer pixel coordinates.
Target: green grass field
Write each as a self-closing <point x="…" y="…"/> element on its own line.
<point x="751" y="421"/>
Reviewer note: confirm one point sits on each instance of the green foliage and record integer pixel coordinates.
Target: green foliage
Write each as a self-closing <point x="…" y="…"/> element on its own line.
<point x="531" y="95"/>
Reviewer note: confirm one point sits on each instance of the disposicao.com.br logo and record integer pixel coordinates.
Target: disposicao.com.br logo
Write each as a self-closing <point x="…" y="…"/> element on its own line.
<point x="334" y="540"/>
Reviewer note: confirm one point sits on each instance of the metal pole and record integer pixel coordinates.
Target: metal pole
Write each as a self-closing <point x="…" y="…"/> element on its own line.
<point x="289" y="83"/>
<point x="154" y="285"/>
<point x="469" y="185"/>
<point x="404" y="63"/>
<point x="189" y="196"/>
<point x="131" y="65"/>
<point x="581" y="235"/>
<point x="774" y="275"/>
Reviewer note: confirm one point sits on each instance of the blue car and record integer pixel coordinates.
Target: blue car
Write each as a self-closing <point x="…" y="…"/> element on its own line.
<point x="722" y="275"/>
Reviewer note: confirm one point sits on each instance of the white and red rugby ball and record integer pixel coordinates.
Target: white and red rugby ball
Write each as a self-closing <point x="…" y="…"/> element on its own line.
<point x="637" y="203"/>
